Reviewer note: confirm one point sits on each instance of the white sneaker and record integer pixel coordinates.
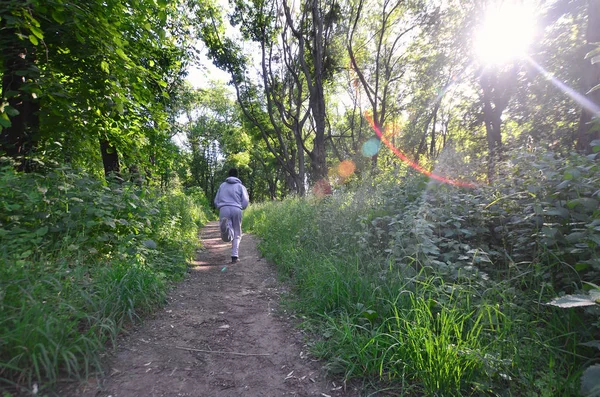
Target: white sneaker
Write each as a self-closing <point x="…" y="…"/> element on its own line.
<point x="226" y="230"/>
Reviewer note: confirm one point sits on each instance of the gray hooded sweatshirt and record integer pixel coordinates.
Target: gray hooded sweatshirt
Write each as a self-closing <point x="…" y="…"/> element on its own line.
<point x="232" y="193"/>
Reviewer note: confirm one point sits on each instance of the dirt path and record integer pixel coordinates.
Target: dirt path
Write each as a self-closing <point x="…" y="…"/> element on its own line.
<point x="232" y="312"/>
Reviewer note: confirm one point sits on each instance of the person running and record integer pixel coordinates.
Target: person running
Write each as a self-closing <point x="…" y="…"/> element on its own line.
<point x="231" y="199"/>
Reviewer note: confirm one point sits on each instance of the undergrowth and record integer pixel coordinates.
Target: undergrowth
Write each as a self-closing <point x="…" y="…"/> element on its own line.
<point x="79" y="260"/>
<point x="443" y="291"/>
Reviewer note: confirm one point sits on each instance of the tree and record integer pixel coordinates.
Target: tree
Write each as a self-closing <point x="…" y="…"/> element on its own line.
<point x="497" y="87"/>
<point x="314" y="35"/>
<point x="384" y="53"/>
<point x="104" y="79"/>
<point x="19" y="122"/>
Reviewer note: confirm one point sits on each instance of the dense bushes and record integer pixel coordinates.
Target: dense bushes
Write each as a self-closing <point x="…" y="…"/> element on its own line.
<point x="78" y="260"/>
<point x="444" y="289"/>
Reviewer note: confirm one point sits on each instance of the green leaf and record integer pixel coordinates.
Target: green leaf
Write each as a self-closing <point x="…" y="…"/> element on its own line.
<point x="104" y="67"/>
<point x="151" y="244"/>
<point x="4" y="120"/>
<point x="592" y="343"/>
<point x="590" y="381"/>
<point x="586" y="202"/>
<point x="562" y="212"/>
<point x="121" y="53"/>
<point x="581" y="266"/>
<point x="573" y="173"/>
<point x="163" y="17"/>
<point x="11" y="93"/>
<point x="30" y="18"/>
<point x="575" y="237"/>
<point x="162" y="3"/>
<point x="37" y="32"/>
<point x="370" y="315"/>
<point x="573" y="301"/>
<point x="58" y="17"/>
<point x="563" y="185"/>
<point x="11" y="111"/>
<point x="42" y="231"/>
<point x="33" y="40"/>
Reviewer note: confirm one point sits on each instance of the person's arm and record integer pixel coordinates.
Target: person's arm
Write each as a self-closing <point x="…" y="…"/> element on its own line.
<point x="218" y="198"/>
<point x="245" y="198"/>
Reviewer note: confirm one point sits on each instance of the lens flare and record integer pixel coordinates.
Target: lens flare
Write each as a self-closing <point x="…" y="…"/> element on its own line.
<point x="571" y="93"/>
<point x="411" y="163"/>
<point x="371" y="147"/>
<point x="346" y="168"/>
<point x="509" y="28"/>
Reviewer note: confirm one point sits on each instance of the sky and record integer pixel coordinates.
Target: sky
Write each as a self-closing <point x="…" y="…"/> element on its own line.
<point x="200" y="77"/>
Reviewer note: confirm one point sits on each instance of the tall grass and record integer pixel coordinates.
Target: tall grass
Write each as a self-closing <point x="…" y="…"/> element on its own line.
<point x="427" y="287"/>
<point x="79" y="261"/>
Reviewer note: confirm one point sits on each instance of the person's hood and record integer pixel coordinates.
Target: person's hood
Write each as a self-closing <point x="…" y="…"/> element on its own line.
<point x="232" y="179"/>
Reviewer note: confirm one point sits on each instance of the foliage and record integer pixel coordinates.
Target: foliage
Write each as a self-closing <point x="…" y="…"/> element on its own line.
<point x="215" y="138"/>
<point x="590" y="381"/>
<point x="445" y="288"/>
<point x="79" y="260"/>
<point x="93" y="72"/>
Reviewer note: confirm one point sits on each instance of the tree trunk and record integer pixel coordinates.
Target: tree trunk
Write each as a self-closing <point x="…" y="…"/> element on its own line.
<point x="301" y="168"/>
<point x="496" y="94"/>
<point x="272" y="188"/>
<point x="290" y="182"/>
<point x="317" y="100"/>
<point x="433" y="137"/>
<point x="318" y="159"/>
<point x="590" y="78"/>
<point x="493" y="124"/>
<point x="423" y="143"/>
<point x="110" y="159"/>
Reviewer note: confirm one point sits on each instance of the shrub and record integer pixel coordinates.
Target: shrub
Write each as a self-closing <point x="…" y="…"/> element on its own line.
<point x="79" y="259"/>
<point x="478" y="265"/>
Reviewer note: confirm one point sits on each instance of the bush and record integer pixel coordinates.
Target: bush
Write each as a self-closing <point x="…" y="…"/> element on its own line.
<point x="442" y="287"/>
<point x="80" y="259"/>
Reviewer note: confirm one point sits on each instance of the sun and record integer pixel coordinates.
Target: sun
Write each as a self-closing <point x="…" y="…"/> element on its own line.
<point x="507" y="31"/>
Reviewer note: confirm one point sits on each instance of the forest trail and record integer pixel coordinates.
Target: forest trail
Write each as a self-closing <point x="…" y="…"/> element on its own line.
<point x="230" y="310"/>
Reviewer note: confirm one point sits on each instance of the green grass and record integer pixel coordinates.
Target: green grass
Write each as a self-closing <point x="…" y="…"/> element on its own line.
<point x="79" y="262"/>
<point x="388" y="295"/>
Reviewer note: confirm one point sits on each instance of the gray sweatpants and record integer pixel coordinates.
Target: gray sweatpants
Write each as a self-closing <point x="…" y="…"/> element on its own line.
<point x="234" y="214"/>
